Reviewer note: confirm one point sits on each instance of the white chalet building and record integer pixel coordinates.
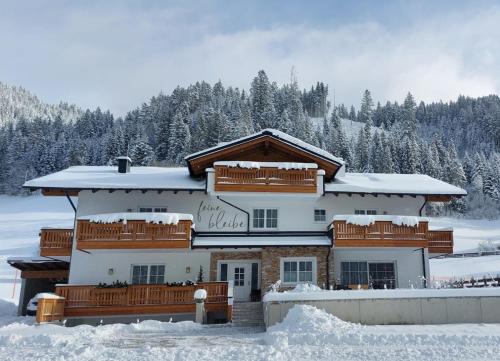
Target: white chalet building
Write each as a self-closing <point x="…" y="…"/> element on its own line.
<point x="256" y="210"/>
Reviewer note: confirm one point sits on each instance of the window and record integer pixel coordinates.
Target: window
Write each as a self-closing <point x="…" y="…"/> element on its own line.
<point x="297" y="270"/>
<point x="265" y="218"/>
<point x="153" y="209"/>
<point x="376" y="275"/>
<point x="152" y="274"/>
<point x="239" y="276"/>
<point x="354" y="273"/>
<point x="319" y="215"/>
<point x="157" y="274"/>
<point x="371" y="212"/>
<point x="139" y="275"/>
<point x="382" y="275"/>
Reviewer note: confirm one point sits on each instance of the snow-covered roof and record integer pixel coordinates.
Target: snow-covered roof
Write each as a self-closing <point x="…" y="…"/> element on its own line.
<point x="107" y="177"/>
<point x="415" y="184"/>
<point x="257" y="241"/>
<point x="258" y="165"/>
<point x="164" y="218"/>
<point x="366" y="220"/>
<point x="275" y="134"/>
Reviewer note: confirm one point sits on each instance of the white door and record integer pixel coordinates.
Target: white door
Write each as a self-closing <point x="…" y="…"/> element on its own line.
<point x="240" y="274"/>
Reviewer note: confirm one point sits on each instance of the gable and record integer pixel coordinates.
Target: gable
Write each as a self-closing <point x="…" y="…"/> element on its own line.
<point x="262" y="148"/>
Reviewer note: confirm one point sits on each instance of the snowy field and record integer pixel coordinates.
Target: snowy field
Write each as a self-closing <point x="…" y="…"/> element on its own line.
<point x="306" y="334"/>
<point x="20" y="221"/>
<point x="22" y="217"/>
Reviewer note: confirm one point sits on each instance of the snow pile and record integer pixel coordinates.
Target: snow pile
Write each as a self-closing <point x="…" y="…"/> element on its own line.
<point x="307" y="325"/>
<point x="200" y="294"/>
<point x="306" y="287"/>
<point x="258" y="165"/>
<point x="7" y="308"/>
<point x="157" y="218"/>
<point x="366" y="220"/>
<point x="48" y="295"/>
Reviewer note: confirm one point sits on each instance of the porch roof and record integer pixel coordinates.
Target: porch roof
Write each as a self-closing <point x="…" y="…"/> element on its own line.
<point x="260" y="241"/>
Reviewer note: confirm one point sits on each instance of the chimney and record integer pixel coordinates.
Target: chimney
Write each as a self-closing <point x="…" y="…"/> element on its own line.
<point x="123" y="164"/>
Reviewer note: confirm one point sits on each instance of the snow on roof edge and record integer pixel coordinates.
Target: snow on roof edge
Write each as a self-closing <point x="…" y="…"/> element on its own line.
<point x="277" y="134"/>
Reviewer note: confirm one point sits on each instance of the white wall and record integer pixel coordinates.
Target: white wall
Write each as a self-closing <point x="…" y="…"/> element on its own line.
<point x="296" y="213"/>
<point x="408" y="262"/>
<point x="94" y="268"/>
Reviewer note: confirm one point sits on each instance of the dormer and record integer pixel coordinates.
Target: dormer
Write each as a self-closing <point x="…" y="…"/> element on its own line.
<point x="266" y="146"/>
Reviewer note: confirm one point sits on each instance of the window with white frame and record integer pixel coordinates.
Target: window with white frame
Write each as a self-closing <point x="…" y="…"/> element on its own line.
<point x="371" y="212"/>
<point x="319" y="215"/>
<point x="144" y="274"/>
<point x="153" y="209"/>
<point x="297" y="270"/>
<point x="265" y="218"/>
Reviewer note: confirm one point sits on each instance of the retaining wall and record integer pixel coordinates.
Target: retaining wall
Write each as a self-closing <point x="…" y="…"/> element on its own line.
<point x="399" y="311"/>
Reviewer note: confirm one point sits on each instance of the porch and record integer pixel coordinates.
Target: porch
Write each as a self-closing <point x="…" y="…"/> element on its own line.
<point x="147" y="299"/>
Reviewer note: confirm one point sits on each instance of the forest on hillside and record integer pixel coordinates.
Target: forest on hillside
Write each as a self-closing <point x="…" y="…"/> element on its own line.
<point x="457" y="141"/>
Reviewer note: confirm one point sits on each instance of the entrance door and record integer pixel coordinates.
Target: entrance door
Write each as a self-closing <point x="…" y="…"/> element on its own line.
<point x="240" y="274"/>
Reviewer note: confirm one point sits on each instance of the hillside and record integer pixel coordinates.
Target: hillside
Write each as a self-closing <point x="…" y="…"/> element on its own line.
<point x="18" y="103"/>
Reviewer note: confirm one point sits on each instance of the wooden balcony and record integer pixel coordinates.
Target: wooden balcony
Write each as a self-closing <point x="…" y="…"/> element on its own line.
<point x="387" y="234"/>
<point x="232" y="179"/>
<point x="140" y="299"/>
<point x="56" y="242"/>
<point x="134" y="234"/>
<point x="441" y="241"/>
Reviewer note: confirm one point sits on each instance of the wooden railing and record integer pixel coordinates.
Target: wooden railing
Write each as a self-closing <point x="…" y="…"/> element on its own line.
<point x="136" y="299"/>
<point x="231" y="179"/>
<point x="133" y="235"/>
<point x="379" y="234"/>
<point x="387" y="234"/>
<point x="441" y="241"/>
<point x="56" y="242"/>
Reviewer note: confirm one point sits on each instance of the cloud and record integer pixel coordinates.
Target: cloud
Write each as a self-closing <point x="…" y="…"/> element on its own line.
<point x="119" y="59"/>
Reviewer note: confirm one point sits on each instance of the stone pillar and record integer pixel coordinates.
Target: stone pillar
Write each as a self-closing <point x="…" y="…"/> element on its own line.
<point x="200" y="296"/>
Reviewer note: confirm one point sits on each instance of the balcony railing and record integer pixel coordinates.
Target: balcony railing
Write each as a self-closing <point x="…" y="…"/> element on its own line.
<point x="441" y="241"/>
<point x="140" y="299"/>
<point x="232" y="179"/>
<point x="134" y="234"/>
<point x="55" y="242"/>
<point x="387" y="234"/>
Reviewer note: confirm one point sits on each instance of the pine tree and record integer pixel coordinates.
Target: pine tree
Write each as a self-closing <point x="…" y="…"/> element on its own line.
<point x="366" y="110"/>
<point x="141" y="152"/>
<point x="262" y="101"/>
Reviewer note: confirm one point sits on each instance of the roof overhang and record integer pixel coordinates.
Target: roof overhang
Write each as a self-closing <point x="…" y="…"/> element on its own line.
<point x="428" y="197"/>
<point x="41" y="267"/>
<point x="261" y="241"/>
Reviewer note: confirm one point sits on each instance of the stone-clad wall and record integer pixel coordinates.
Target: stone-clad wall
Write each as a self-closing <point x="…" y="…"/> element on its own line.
<point x="270" y="261"/>
<point x="270" y="272"/>
<point x="218" y="256"/>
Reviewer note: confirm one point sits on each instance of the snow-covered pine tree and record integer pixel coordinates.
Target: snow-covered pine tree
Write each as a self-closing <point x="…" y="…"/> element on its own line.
<point x="366" y="110"/>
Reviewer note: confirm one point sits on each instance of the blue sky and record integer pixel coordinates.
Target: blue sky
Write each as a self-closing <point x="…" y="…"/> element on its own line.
<point x="117" y="54"/>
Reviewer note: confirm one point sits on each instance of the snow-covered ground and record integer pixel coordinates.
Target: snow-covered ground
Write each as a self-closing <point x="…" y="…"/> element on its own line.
<point x="20" y="221"/>
<point x="22" y="217"/>
<point x="306" y="334"/>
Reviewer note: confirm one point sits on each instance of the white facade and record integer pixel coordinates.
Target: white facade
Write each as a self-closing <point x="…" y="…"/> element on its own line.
<point x="298" y="220"/>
